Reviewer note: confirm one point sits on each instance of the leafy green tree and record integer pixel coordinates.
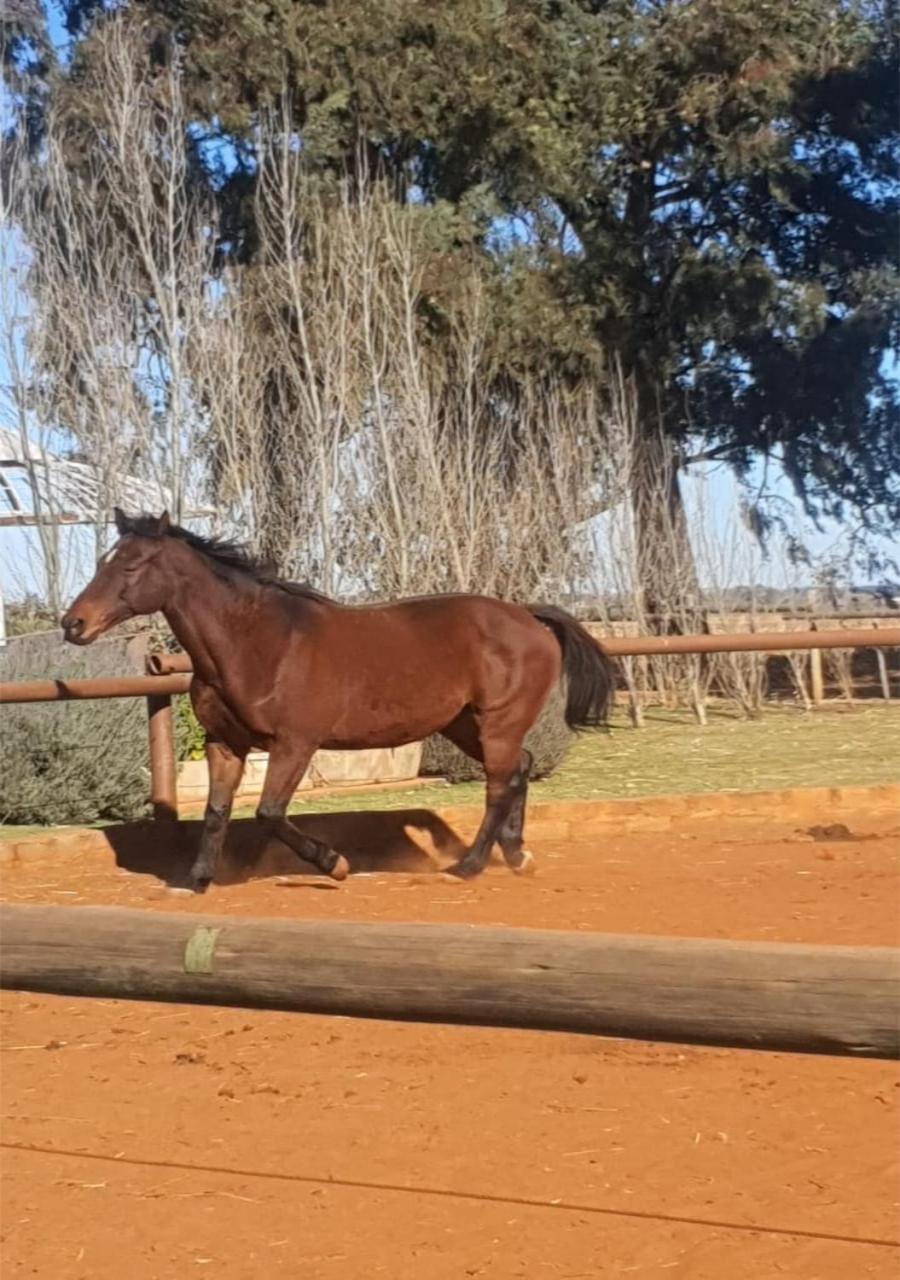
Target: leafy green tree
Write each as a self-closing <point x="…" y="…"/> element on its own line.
<point x="705" y="190"/>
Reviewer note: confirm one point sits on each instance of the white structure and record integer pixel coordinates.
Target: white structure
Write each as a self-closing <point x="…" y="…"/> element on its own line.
<point x="38" y="487"/>
<point x="45" y="491"/>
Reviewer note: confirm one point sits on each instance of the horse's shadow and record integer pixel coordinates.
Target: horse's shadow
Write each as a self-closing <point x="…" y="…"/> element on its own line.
<point x="371" y="842"/>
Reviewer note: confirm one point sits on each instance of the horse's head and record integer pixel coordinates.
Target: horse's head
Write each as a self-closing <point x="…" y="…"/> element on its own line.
<point x="130" y="580"/>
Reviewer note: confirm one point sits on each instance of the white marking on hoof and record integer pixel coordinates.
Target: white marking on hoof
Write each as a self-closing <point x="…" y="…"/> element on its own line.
<point x="528" y="866"/>
<point x="340" y="870"/>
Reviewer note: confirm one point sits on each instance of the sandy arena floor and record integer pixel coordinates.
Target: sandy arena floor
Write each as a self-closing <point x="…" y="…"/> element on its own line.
<point x="157" y="1142"/>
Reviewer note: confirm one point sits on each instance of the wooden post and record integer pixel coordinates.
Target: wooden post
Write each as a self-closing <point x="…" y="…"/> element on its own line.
<point x="816" y="681"/>
<point x="838" y="1000"/>
<point x="797" y="671"/>
<point x="883" y="676"/>
<point x="163" y="768"/>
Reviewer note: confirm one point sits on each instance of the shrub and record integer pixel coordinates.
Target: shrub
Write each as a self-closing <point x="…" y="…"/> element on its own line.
<point x="190" y="739"/>
<point x="71" y="762"/>
<point x="548" y="741"/>
<point x="24" y="617"/>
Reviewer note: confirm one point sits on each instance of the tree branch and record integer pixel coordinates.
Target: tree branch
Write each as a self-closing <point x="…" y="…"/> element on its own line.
<point x="712" y="455"/>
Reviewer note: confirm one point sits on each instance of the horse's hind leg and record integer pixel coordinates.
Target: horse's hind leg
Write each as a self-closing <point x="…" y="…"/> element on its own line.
<point x="483" y="738"/>
<point x="510" y="839"/>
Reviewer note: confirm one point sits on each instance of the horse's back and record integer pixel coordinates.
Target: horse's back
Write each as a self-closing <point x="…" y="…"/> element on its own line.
<point x="421" y="661"/>
<point x="452" y="620"/>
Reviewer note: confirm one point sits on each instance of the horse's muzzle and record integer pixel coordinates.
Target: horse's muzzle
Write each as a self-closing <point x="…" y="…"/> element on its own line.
<point x="73" y="629"/>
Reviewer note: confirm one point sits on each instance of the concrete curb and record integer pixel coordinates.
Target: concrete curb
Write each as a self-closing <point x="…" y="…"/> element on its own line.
<point x="577" y="818"/>
<point x="565" y="820"/>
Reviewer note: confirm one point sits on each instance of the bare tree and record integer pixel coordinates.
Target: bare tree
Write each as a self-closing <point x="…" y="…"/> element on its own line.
<point x="22" y="404"/>
<point x="119" y="247"/>
<point x="359" y="454"/>
<point x="621" y="557"/>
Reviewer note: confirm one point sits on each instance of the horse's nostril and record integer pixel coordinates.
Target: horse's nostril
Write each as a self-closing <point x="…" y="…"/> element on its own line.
<point x="72" y="626"/>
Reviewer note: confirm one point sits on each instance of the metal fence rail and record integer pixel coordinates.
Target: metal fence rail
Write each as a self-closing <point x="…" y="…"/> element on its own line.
<point x="172" y="676"/>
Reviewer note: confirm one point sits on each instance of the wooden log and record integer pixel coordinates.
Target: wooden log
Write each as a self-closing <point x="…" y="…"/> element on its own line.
<point x="838" y="1000"/>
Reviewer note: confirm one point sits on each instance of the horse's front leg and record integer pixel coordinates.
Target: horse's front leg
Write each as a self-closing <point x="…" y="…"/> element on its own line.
<point x="226" y="769"/>
<point x="283" y="774"/>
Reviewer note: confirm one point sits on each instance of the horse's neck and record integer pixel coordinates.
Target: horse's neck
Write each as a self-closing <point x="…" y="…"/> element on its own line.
<point x="209" y="618"/>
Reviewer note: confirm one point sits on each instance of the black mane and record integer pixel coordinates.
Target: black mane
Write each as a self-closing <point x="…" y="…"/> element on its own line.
<point x="223" y="552"/>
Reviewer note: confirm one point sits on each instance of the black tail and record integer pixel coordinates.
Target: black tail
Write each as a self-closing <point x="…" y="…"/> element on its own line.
<point x="588" y="669"/>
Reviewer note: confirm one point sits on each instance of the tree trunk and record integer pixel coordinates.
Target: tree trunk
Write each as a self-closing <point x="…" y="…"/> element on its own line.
<point x="667" y="586"/>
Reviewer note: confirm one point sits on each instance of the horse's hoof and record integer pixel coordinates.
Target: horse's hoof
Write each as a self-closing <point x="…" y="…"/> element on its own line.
<point x="341" y="868"/>
<point x="528" y="866"/>
<point x="459" y="871"/>
<point x="199" y="884"/>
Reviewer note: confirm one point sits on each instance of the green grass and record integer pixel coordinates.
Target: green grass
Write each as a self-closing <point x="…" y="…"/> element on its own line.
<point x="784" y="748"/>
<point x="672" y="754"/>
<point x="846" y="746"/>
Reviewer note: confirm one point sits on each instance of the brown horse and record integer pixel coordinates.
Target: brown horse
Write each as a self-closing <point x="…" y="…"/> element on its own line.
<point x="281" y="668"/>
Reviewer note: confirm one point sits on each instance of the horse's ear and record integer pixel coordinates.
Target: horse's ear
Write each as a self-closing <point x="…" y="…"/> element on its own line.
<point x="163" y="525"/>
<point x="121" y="521"/>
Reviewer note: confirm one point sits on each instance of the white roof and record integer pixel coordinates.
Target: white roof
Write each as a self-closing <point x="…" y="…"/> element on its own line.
<point x="35" y="483"/>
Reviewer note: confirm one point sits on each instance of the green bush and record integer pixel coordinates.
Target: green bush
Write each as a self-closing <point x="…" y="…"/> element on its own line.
<point x="71" y="762"/>
<point x="190" y="740"/>
<point x="24" y="617"/>
<point x="548" y="741"/>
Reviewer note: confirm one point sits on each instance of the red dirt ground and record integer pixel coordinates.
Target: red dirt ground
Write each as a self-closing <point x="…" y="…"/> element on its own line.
<point x="158" y="1142"/>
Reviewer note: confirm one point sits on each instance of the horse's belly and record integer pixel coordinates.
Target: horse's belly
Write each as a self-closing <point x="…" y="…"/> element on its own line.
<point x="376" y="724"/>
<point x="220" y="723"/>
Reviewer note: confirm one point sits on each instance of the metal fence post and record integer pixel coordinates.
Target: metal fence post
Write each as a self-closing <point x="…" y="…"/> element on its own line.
<point x="163" y="770"/>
